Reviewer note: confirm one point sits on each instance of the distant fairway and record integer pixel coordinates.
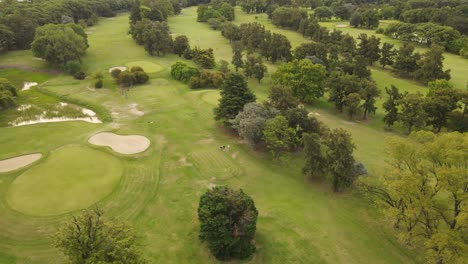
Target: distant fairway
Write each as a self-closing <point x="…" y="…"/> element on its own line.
<point x="149" y="67"/>
<point x="72" y="177"/>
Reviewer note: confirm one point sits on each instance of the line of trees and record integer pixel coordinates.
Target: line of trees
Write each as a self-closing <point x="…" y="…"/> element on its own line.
<point x="443" y="106"/>
<point x="423" y="192"/>
<point x="18" y="21"/>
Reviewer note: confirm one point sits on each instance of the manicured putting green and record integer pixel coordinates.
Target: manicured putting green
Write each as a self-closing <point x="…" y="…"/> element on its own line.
<point x="149" y="67"/>
<point x="72" y="177"/>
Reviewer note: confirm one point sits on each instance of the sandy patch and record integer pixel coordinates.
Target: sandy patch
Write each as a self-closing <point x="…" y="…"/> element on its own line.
<point x="342" y="25"/>
<point x="24" y="107"/>
<point x="183" y="162"/>
<point x="18" y="162"/>
<point x="90" y="119"/>
<point x="28" y="85"/>
<point x="348" y="123"/>
<point x="89" y="32"/>
<point x="122" y="68"/>
<point x="38" y="59"/>
<point x="134" y="110"/>
<point x="88" y="112"/>
<point x="129" y="144"/>
<point x="205" y="141"/>
<point x="63" y="104"/>
<point x="234" y="155"/>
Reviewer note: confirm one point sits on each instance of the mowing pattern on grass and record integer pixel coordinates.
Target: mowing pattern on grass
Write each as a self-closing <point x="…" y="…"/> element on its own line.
<point x="73" y="177"/>
<point x="215" y="164"/>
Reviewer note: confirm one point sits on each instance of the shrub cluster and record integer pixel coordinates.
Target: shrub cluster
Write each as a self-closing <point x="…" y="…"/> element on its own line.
<point x="126" y="78"/>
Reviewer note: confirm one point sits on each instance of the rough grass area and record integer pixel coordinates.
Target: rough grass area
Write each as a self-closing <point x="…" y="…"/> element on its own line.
<point x="72" y="177"/>
<point x="300" y="221"/>
<point x="149" y="67"/>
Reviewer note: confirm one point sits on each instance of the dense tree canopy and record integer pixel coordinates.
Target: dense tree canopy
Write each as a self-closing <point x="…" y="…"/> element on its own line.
<point x="90" y="238"/>
<point x="58" y="44"/>
<point x="228" y="220"/>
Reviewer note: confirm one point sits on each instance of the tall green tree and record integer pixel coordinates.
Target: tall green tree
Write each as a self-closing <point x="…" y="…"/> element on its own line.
<point x="369" y="92"/>
<point x="439" y="103"/>
<point x="278" y="136"/>
<point x="340" y="159"/>
<point x="412" y="111"/>
<point x="369" y="48"/>
<point x="391" y="105"/>
<point x="282" y="98"/>
<point x="307" y="80"/>
<point x="352" y="103"/>
<point x="7" y="94"/>
<point x="340" y="86"/>
<point x="406" y="61"/>
<point x="91" y="238"/>
<point x="181" y="43"/>
<point x="387" y="55"/>
<point x="58" y="44"/>
<point x="316" y="163"/>
<point x="431" y="66"/>
<point x="237" y="57"/>
<point x="228" y="221"/>
<point x="234" y="95"/>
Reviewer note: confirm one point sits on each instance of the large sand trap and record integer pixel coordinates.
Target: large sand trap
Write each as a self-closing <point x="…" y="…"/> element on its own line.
<point x="122" y="68"/>
<point x="130" y="144"/>
<point x="18" y="162"/>
<point x="90" y="119"/>
<point x="341" y="25"/>
<point x="28" y="85"/>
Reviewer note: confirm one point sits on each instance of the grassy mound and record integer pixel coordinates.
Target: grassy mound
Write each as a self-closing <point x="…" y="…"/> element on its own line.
<point x="149" y="67"/>
<point x="73" y="177"/>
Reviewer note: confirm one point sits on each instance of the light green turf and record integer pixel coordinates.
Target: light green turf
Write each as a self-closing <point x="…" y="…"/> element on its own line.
<point x="299" y="221"/>
<point x="72" y="177"/>
<point x="149" y="67"/>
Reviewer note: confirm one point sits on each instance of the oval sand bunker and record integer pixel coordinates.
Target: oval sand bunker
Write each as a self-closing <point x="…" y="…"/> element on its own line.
<point x="130" y="144"/>
<point x="18" y="162"/>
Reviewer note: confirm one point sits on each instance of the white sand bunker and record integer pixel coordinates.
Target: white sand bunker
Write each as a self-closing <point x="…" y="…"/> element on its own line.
<point x="130" y="144"/>
<point x="342" y="25"/>
<point x="134" y="110"/>
<point x="28" y="85"/>
<point x="122" y="68"/>
<point x="18" y="162"/>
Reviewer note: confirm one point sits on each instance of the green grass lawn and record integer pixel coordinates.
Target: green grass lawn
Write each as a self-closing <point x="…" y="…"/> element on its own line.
<point x="299" y="221"/>
<point x="72" y="177"/>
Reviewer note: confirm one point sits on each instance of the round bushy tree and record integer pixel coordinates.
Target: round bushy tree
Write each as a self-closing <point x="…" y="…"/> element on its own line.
<point x="228" y="221"/>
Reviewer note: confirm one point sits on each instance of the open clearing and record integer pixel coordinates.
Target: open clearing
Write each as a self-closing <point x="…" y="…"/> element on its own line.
<point x="72" y="177"/>
<point x="18" y="162"/>
<point x="158" y="193"/>
<point x="126" y="144"/>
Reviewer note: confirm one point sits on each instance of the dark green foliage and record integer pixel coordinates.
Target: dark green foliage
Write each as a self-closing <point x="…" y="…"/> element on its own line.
<point x="98" y="84"/>
<point x="406" y="61"/>
<point x="369" y="92"/>
<point x="207" y="79"/>
<point x="412" y="111"/>
<point x="387" y="55"/>
<point x="307" y="80"/>
<point x="340" y="160"/>
<point x="89" y="238"/>
<point x="431" y="66"/>
<point x="72" y="67"/>
<point x="316" y="163"/>
<point x="288" y="17"/>
<point x="221" y="11"/>
<point x="115" y="73"/>
<point x="204" y="58"/>
<point x="182" y="72"/>
<point x="79" y="75"/>
<point x="140" y="77"/>
<point x="369" y="48"/>
<point x="224" y="66"/>
<point x="360" y="67"/>
<point x="323" y="12"/>
<point x="7" y="94"/>
<point x="279" y="48"/>
<point x="231" y="32"/>
<point x="282" y="98"/>
<point x="366" y="18"/>
<point x="126" y="79"/>
<point x="278" y="136"/>
<point x="234" y="95"/>
<point x="181" y="43"/>
<point x="439" y="103"/>
<point x="301" y="122"/>
<point x="154" y="36"/>
<point x="228" y="221"/>
<point x="58" y="44"/>
<point x="340" y="86"/>
<point x="391" y="105"/>
<point x="352" y="102"/>
<point x="237" y="57"/>
<point x="6" y="38"/>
